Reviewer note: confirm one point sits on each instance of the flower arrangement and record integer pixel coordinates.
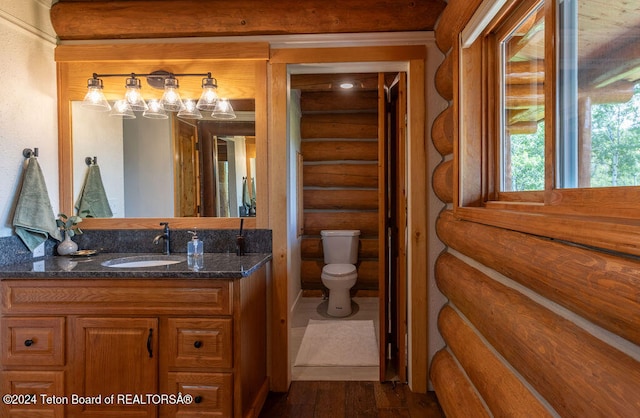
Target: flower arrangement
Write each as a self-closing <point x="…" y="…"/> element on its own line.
<point x="69" y="224"/>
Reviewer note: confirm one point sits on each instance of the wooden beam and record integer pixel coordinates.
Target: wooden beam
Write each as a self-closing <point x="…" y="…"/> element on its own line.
<point x="503" y="392"/>
<point x="577" y="373"/>
<point x="122" y="19"/>
<point x="456" y="394"/>
<point x="607" y="296"/>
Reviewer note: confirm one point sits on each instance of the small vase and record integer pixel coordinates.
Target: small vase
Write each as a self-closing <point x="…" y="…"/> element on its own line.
<point x="67" y="246"/>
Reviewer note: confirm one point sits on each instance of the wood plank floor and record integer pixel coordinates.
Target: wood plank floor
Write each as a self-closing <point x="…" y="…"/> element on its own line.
<point x="350" y="400"/>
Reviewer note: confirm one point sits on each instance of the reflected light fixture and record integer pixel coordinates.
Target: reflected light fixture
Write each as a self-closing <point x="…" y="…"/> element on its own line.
<point x="189" y="110"/>
<point x="347" y="85"/>
<point x="223" y="110"/>
<point x="123" y="109"/>
<point x="94" y="99"/>
<point x="155" y="110"/>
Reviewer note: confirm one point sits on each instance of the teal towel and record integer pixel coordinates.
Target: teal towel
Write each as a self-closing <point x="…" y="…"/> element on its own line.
<point x="93" y="202"/>
<point x="33" y="219"/>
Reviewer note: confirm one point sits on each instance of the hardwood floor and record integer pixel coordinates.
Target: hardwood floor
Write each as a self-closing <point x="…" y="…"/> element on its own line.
<point x="349" y="400"/>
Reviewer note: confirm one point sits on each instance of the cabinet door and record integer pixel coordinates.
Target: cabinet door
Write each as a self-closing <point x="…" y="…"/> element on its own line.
<point x="114" y="367"/>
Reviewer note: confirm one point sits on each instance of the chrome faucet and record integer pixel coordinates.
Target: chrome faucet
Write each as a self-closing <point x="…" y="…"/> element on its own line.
<point x="164" y="236"/>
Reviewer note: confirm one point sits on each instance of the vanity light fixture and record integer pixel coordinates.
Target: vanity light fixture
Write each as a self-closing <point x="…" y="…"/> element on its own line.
<point x="94" y="99"/>
<point x="154" y="108"/>
<point x="133" y="95"/>
<point x="209" y="96"/>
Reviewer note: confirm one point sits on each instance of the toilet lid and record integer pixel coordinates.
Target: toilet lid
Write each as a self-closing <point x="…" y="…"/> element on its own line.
<point x="339" y="269"/>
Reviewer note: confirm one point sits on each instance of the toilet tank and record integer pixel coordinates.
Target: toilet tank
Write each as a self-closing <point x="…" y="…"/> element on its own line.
<point x="340" y="246"/>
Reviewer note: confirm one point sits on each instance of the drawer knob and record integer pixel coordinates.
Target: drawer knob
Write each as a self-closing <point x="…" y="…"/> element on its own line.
<point x="197" y="344"/>
<point x="197" y="399"/>
<point x="28" y="343"/>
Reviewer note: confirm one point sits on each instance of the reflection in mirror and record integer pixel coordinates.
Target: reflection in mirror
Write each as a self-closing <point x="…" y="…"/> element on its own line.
<point x="165" y="168"/>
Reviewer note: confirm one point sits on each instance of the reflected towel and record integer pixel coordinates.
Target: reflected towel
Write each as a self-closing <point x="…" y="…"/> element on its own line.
<point x="33" y="219"/>
<point x="93" y="202"/>
<point x="246" y="201"/>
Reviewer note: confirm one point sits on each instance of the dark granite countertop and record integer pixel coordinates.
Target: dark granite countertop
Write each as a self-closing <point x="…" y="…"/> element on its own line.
<point x="214" y="266"/>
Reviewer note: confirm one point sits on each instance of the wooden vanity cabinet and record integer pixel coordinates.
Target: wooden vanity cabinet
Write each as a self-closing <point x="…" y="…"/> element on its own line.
<point x="80" y="341"/>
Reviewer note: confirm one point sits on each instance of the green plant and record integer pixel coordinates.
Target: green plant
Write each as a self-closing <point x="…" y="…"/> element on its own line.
<point x="69" y="224"/>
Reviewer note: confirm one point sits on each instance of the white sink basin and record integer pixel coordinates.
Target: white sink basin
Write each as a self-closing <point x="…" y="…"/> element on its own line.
<point x="139" y="261"/>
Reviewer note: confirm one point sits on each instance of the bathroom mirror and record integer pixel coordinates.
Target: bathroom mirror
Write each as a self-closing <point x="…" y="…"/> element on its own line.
<point x="166" y="168"/>
<point x="207" y="184"/>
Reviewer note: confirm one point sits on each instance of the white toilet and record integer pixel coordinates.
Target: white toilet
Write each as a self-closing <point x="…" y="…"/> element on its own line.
<point x="339" y="273"/>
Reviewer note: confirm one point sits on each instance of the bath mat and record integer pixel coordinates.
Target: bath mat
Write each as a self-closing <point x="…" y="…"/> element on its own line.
<point x="338" y="343"/>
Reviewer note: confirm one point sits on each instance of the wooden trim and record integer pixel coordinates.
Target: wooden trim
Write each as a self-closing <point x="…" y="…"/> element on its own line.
<point x="356" y="54"/>
<point x="382" y="207"/>
<point x="170" y="51"/>
<point x="417" y="228"/>
<point x="577" y="373"/>
<point x="607" y="296"/>
<point x="278" y="142"/>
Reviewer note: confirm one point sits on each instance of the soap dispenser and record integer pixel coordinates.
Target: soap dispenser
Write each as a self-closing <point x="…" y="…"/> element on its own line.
<point x="195" y="251"/>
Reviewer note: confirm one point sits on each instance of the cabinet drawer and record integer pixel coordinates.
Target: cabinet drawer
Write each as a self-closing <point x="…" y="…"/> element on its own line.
<point x="200" y="342"/>
<point x="40" y="384"/>
<point x="212" y="394"/>
<point x="32" y="341"/>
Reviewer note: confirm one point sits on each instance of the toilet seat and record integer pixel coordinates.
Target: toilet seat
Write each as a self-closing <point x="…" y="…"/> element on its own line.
<point x="339" y="270"/>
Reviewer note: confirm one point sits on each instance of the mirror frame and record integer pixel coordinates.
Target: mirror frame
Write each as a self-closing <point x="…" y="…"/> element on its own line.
<point x="76" y="63"/>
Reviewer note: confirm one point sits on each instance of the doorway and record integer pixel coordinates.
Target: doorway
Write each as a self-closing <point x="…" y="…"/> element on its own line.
<point x="352" y="143"/>
<point x="282" y="206"/>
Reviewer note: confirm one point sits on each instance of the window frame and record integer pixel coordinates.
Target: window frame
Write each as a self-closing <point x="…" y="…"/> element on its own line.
<point x="607" y="217"/>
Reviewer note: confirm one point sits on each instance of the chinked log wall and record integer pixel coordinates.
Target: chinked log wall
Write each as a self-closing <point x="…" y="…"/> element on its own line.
<point x="340" y="178"/>
<point x="533" y="326"/>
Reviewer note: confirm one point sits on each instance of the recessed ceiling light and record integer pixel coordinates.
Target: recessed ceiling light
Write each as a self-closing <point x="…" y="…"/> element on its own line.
<point x="346" y="85"/>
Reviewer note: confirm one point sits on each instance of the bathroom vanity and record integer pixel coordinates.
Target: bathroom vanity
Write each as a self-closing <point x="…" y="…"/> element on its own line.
<point x="79" y="339"/>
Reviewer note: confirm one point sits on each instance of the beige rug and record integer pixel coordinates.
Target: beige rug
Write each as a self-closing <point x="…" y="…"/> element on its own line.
<point x="338" y="343"/>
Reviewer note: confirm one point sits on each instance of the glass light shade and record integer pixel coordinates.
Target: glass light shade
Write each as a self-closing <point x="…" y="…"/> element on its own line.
<point x="223" y="110"/>
<point x="189" y="111"/>
<point x="155" y="110"/>
<point x="133" y="95"/>
<point x="94" y="99"/>
<point x="209" y="95"/>
<point x="122" y="108"/>
<point x="171" y="101"/>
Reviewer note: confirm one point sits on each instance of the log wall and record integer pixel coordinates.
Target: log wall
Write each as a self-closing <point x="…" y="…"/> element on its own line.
<point x="533" y="326"/>
<point x="340" y="177"/>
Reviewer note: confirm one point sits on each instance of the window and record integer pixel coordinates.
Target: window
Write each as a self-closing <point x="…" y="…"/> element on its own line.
<point x="521" y="61"/>
<point x="549" y="118"/>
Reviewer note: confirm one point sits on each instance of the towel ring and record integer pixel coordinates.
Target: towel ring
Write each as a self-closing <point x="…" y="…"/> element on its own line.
<point x="28" y="152"/>
<point x="88" y="161"/>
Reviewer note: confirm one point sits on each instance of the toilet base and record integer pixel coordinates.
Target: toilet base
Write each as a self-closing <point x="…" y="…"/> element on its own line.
<point x="339" y="303"/>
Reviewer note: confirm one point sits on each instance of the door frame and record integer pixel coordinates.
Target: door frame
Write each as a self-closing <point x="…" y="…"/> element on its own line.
<point x="412" y="60"/>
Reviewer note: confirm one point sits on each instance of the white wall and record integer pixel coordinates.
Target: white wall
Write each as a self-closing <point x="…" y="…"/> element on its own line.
<point x="96" y="134"/>
<point x="28" y="101"/>
<point x="148" y="168"/>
